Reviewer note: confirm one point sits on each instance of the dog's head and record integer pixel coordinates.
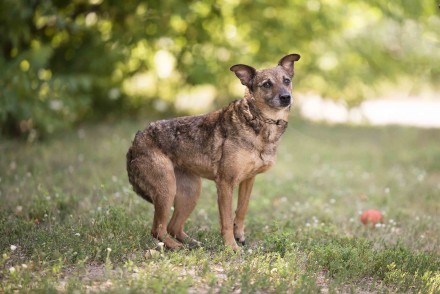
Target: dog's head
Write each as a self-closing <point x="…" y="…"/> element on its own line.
<point x="272" y="86"/>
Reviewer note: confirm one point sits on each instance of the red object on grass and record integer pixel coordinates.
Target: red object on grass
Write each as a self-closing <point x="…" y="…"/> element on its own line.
<point x="371" y="216"/>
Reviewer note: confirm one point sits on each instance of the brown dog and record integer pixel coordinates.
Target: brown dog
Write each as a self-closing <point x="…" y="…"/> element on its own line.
<point x="230" y="146"/>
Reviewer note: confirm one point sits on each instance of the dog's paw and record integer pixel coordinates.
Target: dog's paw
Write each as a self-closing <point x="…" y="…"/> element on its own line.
<point x="241" y="242"/>
<point x="168" y="242"/>
<point x="235" y="248"/>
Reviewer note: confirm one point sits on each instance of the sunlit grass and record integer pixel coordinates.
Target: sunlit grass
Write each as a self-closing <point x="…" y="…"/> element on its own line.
<point x="69" y="219"/>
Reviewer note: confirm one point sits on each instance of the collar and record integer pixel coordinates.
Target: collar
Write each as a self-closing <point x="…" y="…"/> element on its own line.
<point x="256" y="113"/>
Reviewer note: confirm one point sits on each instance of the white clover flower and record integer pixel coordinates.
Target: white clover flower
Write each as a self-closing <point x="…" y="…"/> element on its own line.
<point x="13" y="247"/>
<point x="77" y="234"/>
<point x="109" y="249"/>
<point x="12" y="270"/>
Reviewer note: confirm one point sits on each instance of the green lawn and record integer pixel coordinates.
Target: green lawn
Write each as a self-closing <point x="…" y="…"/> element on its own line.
<point x="70" y="214"/>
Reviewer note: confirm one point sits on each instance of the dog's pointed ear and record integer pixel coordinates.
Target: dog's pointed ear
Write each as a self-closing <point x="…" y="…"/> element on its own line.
<point x="287" y="62"/>
<point x="245" y="73"/>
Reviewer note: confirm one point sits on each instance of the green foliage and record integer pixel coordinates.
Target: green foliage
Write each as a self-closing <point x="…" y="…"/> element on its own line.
<point x="66" y="61"/>
<point x="56" y="69"/>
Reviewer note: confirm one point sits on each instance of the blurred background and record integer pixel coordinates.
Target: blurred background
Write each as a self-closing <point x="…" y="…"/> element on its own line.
<point x="66" y="62"/>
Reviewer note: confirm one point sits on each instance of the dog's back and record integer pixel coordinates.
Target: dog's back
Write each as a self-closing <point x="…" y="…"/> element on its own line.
<point x="195" y="143"/>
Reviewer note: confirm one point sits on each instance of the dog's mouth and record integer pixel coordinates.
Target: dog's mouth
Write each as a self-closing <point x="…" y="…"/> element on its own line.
<point x="282" y="103"/>
<point x="285" y="103"/>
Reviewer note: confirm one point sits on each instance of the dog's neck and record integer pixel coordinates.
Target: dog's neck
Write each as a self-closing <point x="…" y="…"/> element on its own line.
<point x="266" y="113"/>
<point x="258" y="120"/>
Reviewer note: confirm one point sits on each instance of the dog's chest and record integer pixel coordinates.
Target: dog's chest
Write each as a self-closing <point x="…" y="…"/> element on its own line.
<point x="248" y="164"/>
<point x="259" y="157"/>
<point x="265" y="158"/>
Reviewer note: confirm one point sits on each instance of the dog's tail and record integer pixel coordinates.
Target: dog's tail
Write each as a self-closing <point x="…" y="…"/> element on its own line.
<point x="134" y="175"/>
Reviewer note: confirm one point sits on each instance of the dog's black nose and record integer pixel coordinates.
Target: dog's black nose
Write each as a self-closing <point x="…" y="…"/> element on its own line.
<point x="285" y="99"/>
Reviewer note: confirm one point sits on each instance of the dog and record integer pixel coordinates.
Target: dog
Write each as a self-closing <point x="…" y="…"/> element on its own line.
<point x="230" y="146"/>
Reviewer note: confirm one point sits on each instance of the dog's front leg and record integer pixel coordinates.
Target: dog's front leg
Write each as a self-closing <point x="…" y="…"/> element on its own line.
<point x="244" y="193"/>
<point x="224" y="193"/>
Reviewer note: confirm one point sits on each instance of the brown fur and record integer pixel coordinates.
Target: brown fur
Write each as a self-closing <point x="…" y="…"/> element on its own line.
<point x="230" y="146"/>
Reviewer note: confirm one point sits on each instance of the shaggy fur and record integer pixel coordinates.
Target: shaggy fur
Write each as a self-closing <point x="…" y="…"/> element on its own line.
<point x="230" y="146"/>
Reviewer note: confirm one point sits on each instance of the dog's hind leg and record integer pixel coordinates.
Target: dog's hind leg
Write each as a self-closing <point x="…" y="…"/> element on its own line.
<point x="153" y="174"/>
<point x="188" y="192"/>
<point x="163" y="198"/>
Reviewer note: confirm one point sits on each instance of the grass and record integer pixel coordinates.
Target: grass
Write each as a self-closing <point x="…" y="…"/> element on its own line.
<point x="69" y="220"/>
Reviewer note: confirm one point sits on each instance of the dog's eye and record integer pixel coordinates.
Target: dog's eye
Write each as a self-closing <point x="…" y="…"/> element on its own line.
<point x="267" y="85"/>
<point x="286" y="81"/>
